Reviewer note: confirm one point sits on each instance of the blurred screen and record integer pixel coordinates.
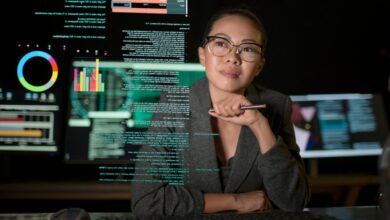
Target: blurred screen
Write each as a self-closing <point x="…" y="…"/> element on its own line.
<point x="338" y="125"/>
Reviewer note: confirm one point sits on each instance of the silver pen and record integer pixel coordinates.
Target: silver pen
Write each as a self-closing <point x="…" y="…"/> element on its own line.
<point x="248" y="107"/>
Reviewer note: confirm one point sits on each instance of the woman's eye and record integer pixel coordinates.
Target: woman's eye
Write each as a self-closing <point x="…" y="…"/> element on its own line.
<point x="250" y="49"/>
<point x="220" y="43"/>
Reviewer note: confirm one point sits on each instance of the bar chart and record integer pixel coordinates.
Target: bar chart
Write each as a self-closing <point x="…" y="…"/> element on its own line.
<point x="88" y="79"/>
<point x="21" y="128"/>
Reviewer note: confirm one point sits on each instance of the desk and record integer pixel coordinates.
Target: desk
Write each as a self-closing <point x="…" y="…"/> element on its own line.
<point x="91" y="190"/>
<point x="343" y="188"/>
<point x="337" y="185"/>
<point x="342" y="213"/>
<point x="50" y="196"/>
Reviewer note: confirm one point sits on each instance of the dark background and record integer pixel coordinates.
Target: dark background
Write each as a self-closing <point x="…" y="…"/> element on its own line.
<point x="314" y="47"/>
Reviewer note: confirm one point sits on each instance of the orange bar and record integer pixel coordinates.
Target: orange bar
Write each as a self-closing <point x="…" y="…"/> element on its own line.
<point x="141" y="10"/>
<point x="24" y="133"/>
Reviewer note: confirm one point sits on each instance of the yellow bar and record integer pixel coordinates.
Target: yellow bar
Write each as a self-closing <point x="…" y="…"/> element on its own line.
<point x="97" y="75"/>
<point x="81" y="81"/>
<point x="24" y="133"/>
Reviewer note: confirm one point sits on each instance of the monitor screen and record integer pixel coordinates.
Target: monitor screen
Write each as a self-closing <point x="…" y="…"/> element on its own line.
<point x="105" y="62"/>
<point x="112" y="103"/>
<point x="31" y="101"/>
<point x="339" y="125"/>
<point x="93" y="52"/>
<point x="29" y="121"/>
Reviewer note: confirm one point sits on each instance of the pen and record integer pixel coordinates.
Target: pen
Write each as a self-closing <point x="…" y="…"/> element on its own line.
<point x="248" y="107"/>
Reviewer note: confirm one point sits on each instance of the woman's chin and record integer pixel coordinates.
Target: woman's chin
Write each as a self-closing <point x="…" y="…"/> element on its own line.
<point x="231" y="88"/>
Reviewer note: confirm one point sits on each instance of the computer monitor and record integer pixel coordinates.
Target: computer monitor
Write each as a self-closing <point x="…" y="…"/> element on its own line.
<point x="112" y="103"/>
<point x="339" y="125"/>
<point x="51" y="35"/>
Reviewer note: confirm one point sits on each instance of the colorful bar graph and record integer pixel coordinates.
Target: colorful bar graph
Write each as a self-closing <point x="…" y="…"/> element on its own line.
<point x="88" y="79"/>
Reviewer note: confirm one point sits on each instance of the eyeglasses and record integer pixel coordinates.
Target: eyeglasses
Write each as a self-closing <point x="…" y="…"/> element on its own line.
<point x="220" y="47"/>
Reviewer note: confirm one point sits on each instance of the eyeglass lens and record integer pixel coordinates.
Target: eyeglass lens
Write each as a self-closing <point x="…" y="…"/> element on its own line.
<point x="221" y="47"/>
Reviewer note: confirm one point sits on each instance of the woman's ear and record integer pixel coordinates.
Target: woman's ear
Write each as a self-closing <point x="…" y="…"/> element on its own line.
<point x="201" y="55"/>
<point x="260" y="66"/>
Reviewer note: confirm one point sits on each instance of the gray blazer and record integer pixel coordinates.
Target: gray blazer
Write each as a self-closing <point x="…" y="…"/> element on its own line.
<point x="279" y="172"/>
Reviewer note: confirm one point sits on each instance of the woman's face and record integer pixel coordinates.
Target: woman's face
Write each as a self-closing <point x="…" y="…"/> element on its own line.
<point x="230" y="73"/>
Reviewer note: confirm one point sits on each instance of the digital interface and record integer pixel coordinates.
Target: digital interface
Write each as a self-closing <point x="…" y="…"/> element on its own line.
<point x="113" y="121"/>
<point x="89" y="50"/>
<point x="29" y="122"/>
<point x="339" y="125"/>
<point x="150" y="6"/>
<point x="82" y="80"/>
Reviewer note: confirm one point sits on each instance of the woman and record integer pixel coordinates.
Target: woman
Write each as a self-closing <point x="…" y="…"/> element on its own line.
<point x="253" y="162"/>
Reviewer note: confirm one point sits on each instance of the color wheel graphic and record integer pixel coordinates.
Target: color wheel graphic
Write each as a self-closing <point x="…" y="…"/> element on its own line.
<point x="26" y="58"/>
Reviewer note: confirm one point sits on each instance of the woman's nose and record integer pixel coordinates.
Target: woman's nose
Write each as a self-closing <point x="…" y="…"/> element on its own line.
<point x="234" y="55"/>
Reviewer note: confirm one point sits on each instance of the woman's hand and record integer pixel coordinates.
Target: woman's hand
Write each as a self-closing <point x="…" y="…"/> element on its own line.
<point x="252" y="201"/>
<point x="229" y="110"/>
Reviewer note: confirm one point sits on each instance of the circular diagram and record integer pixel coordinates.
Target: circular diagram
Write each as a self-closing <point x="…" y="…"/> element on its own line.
<point x="26" y="58"/>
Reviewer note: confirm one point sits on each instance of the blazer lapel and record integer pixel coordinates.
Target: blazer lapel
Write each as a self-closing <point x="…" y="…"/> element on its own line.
<point x="246" y="153"/>
<point x="201" y="158"/>
<point x="247" y="150"/>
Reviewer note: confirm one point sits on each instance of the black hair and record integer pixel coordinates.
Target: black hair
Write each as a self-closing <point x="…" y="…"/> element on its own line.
<point x="240" y="11"/>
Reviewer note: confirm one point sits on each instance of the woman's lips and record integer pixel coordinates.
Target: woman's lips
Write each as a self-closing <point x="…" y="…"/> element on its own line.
<point x="230" y="74"/>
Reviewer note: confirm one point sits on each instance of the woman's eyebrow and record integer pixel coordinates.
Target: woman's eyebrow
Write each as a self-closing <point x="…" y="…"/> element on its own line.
<point x="247" y="40"/>
<point x="223" y="35"/>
